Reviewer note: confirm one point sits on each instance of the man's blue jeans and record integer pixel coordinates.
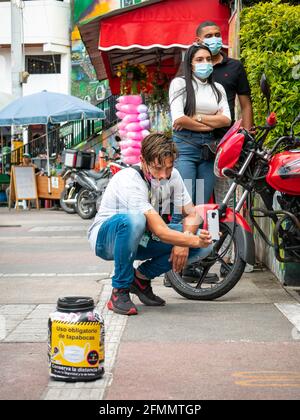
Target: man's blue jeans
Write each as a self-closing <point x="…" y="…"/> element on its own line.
<point x="119" y="240"/>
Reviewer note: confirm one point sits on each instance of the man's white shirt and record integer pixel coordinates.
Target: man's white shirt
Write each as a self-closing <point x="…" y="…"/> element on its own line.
<point x="127" y="193"/>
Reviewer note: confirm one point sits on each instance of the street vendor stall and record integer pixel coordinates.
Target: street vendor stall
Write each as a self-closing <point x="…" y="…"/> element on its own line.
<point x="28" y="186"/>
<point x="48" y="108"/>
<point x="57" y="185"/>
<point x="152" y="33"/>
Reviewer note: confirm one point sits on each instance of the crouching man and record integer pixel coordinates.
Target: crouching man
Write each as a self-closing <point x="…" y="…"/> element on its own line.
<point x="130" y="225"/>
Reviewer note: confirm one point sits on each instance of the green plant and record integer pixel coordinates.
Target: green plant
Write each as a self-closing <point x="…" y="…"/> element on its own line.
<point x="270" y="44"/>
<point x="247" y="3"/>
<point x="158" y="89"/>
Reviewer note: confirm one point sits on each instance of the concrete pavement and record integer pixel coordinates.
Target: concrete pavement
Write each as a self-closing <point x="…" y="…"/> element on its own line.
<point x="246" y="345"/>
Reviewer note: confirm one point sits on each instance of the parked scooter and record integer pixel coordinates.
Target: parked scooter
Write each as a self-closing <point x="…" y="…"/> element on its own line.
<point x="75" y="163"/>
<point x="249" y="163"/>
<point x="68" y="198"/>
<point x="93" y="185"/>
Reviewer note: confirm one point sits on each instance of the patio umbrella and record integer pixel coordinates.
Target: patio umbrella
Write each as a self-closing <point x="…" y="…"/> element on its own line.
<point x="48" y="107"/>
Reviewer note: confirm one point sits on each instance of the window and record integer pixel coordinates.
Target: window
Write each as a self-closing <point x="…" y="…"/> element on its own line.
<point x="42" y="64"/>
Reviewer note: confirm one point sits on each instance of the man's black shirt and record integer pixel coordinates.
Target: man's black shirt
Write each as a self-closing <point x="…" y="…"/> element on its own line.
<point x="231" y="74"/>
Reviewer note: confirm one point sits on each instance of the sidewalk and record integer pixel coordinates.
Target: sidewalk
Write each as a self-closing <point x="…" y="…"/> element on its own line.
<point x="244" y="346"/>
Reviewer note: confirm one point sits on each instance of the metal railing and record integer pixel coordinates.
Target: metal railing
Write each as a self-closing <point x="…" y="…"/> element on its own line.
<point x="69" y="135"/>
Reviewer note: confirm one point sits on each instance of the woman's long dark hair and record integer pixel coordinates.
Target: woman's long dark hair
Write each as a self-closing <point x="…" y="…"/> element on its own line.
<point x="190" y="106"/>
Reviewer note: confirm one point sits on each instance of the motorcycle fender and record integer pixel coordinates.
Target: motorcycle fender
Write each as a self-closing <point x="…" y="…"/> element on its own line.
<point x="243" y="232"/>
<point x="245" y="243"/>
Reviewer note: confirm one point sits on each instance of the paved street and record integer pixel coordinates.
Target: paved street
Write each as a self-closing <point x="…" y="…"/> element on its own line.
<point x="246" y="345"/>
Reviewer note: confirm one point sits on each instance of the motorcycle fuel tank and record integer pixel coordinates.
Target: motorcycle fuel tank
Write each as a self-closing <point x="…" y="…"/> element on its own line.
<point x="284" y="172"/>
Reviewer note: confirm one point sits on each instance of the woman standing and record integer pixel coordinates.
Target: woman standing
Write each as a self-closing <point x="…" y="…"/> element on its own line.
<point x="198" y="106"/>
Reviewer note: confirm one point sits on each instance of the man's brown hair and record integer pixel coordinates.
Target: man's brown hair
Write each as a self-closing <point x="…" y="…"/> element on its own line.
<point x="158" y="146"/>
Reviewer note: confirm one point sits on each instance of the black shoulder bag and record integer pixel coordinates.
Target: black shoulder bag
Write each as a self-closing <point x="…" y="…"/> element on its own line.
<point x="208" y="149"/>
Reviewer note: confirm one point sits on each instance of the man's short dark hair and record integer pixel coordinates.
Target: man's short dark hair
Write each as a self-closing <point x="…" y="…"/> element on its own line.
<point x="204" y="25"/>
<point x="158" y="146"/>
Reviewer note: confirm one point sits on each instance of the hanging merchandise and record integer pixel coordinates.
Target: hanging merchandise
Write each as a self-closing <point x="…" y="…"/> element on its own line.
<point x="133" y="127"/>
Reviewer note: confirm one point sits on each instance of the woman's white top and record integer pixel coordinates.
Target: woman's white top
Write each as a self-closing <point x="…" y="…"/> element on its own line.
<point x="206" y="100"/>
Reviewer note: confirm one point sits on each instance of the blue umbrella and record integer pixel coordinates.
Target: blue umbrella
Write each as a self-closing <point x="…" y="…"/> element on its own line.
<point x="48" y="107"/>
<point x="45" y="107"/>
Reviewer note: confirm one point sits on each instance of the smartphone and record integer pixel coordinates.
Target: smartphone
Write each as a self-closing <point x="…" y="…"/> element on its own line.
<point x="213" y="224"/>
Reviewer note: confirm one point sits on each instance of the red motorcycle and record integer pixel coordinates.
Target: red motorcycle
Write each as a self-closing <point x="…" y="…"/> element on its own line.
<point x="259" y="170"/>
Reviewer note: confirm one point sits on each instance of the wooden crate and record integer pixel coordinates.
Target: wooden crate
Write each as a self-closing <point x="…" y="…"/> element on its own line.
<point x="57" y="185"/>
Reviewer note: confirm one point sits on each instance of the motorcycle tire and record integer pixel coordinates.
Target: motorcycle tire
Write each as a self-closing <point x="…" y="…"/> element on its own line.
<point x="66" y="207"/>
<point x="85" y="210"/>
<point x="208" y="291"/>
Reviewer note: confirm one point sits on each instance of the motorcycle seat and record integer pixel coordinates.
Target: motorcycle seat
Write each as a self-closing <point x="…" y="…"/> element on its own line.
<point x="95" y="175"/>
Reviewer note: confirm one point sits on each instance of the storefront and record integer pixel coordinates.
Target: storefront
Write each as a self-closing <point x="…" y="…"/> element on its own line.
<point x="152" y="34"/>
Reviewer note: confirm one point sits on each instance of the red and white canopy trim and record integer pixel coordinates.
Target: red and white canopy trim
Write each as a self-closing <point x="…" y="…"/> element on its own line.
<point x="166" y="24"/>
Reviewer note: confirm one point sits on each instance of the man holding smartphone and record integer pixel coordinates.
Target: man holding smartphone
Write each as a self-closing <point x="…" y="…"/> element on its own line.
<point x="130" y="225"/>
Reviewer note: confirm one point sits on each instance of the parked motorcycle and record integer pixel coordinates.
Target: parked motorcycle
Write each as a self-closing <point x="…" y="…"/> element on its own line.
<point x="94" y="184"/>
<point x="259" y="170"/>
<point x="69" y="194"/>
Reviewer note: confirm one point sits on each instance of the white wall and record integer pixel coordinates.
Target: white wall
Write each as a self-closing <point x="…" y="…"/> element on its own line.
<point x="36" y="82"/>
<point x="47" y="25"/>
<point x="5" y="75"/>
<point x="44" y="21"/>
<point x="51" y="82"/>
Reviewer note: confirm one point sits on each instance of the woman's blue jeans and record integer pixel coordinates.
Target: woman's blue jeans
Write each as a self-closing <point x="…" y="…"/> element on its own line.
<point x="119" y="240"/>
<point x="197" y="173"/>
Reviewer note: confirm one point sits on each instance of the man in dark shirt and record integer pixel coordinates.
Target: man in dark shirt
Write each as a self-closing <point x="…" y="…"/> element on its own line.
<point x="227" y="71"/>
<point x="231" y="74"/>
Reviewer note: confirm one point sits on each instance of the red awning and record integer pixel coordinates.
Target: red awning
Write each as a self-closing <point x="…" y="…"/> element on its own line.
<point x="169" y="23"/>
<point x="151" y="32"/>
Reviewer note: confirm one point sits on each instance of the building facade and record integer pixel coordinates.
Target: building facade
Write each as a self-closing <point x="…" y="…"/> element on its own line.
<point x="85" y="84"/>
<point x="46" y="44"/>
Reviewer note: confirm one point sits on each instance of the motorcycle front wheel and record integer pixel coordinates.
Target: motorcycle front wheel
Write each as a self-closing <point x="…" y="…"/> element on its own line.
<point x="199" y="287"/>
<point x="86" y="204"/>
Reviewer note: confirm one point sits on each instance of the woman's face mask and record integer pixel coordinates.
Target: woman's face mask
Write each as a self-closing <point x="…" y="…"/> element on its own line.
<point x="203" y="70"/>
<point x="214" y="44"/>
